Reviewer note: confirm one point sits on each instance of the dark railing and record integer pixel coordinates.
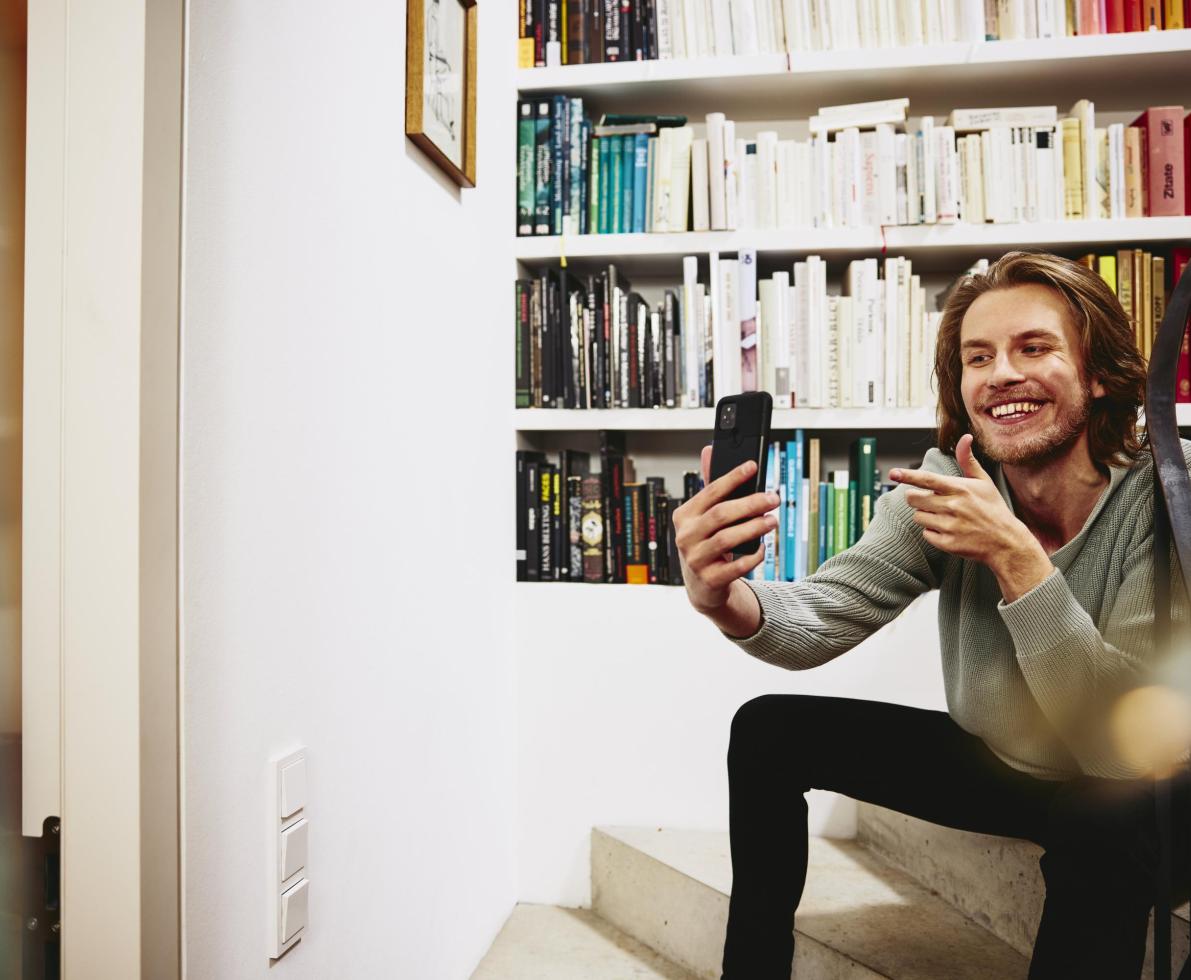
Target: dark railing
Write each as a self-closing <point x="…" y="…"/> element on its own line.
<point x="1172" y="525"/>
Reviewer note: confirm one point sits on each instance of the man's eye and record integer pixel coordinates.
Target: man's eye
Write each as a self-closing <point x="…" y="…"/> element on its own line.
<point x="1035" y="347"/>
<point x="975" y="358"/>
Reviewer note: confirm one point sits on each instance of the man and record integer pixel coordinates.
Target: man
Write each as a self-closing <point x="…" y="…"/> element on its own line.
<point x="1034" y="520"/>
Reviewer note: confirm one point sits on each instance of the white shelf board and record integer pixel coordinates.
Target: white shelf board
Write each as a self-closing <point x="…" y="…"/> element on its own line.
<point x="1118" y="71"/>
<point x="939" y="246"/>
<point x="702" y="419"/>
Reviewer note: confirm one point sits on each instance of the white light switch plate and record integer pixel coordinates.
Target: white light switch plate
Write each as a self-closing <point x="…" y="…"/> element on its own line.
<point x="286" y="846"/>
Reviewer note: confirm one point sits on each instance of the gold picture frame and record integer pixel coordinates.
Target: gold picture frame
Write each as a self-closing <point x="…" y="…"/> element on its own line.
<point x="440" y="107"/>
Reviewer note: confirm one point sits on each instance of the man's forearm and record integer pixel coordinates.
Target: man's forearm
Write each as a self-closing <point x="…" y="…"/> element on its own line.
<point x="740" y="616"/>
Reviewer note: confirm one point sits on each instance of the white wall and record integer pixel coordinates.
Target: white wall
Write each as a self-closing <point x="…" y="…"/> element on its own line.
<point x="626" y="698"/>
<point x="346" y="484"/>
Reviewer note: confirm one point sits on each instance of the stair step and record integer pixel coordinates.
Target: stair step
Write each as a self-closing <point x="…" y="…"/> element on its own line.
<point x="543" y="942"/>
<point x="859" y="919"/>
<point x="995" y="881"/>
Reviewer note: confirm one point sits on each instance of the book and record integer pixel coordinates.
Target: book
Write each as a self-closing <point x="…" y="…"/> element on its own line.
<point x="1162" y="160"/>
<point x="592" y="528"/>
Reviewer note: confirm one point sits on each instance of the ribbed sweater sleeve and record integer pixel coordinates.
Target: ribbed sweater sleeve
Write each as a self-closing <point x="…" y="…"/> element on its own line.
<point x="815" y="619"/>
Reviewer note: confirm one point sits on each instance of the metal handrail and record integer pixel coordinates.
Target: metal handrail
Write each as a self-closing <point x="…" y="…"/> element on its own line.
<point x="1172" y="525"/>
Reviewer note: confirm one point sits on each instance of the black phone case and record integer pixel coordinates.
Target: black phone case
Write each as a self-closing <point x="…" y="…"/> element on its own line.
<point x="748" y="438"/>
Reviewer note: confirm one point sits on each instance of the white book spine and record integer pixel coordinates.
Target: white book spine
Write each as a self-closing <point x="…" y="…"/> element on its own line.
<point x="665" y="45"/>
<point x="1030" y="159"/>
<point x="868" y="190"/>
<point x="700" y="217"/>
<point x="901" y="179"/>
<point x="716" y="322"/>
<point x="765" y="337"/>
<point x="928" y="172"/>
<point x="767" y="184"/>
<point x="715" y="169"/>
<point x="731" y="177"/>
<point x="746" y="187"/>
<point x="913" y="184"/>
<point x="677" y="27"/>
<point x="1046" y="18"/>
<point x="663" y="173"/>
<point x="692" y="19"/>
<point x="787" y="199"/>
<point x="680" y="178"/>
<point x="886" y="176"/>
<point x="1116" y="170"/>
<point x="946" y="176"/>
<point x="721" y="29"/>
<point x="890" y="373"/>
<point x="744" y="26"/>
<point x="821" y="150"/>
<point x="800" y="337"/>
<point x="971" y="21"/>
<point x="817" y="284"/>
<point x="831" y="396"/>
<point x="846" y="334"/>
<point x="692" y="334"/>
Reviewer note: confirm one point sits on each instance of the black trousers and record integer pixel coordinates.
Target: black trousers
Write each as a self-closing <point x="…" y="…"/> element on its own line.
<point x="1099" y="836"/>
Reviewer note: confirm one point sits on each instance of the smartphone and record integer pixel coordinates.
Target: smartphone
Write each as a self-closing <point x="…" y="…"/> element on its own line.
<point x="741" y="434"/>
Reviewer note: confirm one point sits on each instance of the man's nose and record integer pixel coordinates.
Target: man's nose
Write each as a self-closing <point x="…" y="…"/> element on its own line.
<point x="1004" y="372"/>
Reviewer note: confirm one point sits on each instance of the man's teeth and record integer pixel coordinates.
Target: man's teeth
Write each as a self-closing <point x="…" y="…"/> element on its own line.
<point x="1015" y="408"/>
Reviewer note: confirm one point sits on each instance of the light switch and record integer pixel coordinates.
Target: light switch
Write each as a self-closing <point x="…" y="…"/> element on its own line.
<point x="293" y="788"/>
<point x="293" y="849"/>
<point x="294" y="909"/>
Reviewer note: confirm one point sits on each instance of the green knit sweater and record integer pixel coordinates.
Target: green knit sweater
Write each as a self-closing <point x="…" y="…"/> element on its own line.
<point x="1034" y="678"/>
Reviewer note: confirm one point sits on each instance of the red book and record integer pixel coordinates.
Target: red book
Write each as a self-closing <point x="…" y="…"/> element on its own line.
<point x="1133" y="15"/>
<point x="1187" y="159"/>
<point x="1089" y="17"/>
<point x="1162" y="167"/>
<point x="1116" y="16"/>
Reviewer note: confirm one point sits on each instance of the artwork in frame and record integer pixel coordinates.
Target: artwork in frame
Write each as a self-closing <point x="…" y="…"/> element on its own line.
<point x="440" y="84"/>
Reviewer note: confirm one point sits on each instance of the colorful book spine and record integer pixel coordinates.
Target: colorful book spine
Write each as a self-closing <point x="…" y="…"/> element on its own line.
<point x="640" y="174"/>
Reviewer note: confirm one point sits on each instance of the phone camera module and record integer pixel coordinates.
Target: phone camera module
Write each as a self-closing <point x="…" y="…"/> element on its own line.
<point x="728" y="418"/>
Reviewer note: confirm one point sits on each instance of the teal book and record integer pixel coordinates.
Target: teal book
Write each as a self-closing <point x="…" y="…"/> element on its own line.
<point x="605" y="205"/>
<point x="840" y="492"/>
<point x="825" y="500"/>
<point x="615" y="183"/>
<point x="794" y="450"/>
<point x="593" y="187"/>
<point x="853" y="496"/>
<point x="640" y="173"/>
<point x="627" y="170"/>
<point x="543" y="215"/>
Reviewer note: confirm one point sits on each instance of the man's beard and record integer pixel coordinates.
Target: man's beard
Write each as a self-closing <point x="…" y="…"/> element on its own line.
<point x="1047" y="444"/>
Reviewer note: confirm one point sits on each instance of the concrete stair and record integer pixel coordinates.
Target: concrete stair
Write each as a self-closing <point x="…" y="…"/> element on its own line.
<point x="906" y="900"/>
<point x="860" y="917"/>
<point x="995" y="881"/>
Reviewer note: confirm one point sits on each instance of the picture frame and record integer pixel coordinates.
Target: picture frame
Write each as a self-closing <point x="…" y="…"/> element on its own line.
<point x="440" y="84"/>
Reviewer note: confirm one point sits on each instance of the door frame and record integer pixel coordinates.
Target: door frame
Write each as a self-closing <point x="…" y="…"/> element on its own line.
<point x="100" y="613"/>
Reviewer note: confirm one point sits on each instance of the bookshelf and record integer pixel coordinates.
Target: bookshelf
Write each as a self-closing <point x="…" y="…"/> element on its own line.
<point x="1121" y="73"/>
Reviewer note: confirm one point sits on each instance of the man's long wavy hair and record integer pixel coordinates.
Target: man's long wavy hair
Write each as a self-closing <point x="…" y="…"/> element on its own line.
<point x="1106" y="344"/>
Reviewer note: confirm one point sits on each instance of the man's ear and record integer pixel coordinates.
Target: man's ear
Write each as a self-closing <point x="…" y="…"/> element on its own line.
<point x="1098" y="389"/>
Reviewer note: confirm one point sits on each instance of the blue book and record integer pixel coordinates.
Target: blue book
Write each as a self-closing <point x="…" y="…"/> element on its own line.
<point x="824" y="496"/>
<point x="771" y="482"/>
<point x="615" y="182"/>
<point x="640" y="185"/>
<point x="628" y="179"/>
<point x="604" y="224"/>
<point x="794" y="450"/>
<point x="831" y="549"/>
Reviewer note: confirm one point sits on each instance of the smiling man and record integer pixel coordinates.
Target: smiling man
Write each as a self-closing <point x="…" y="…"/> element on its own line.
<point x="1034" y="520"/>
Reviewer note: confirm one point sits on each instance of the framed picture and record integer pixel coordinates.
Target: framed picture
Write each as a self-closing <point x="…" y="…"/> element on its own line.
<point x="440" y="84"/>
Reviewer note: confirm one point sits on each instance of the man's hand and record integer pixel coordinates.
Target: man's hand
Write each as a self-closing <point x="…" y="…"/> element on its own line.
<point x="966" y="516"/>
<point x="705" y="531"/>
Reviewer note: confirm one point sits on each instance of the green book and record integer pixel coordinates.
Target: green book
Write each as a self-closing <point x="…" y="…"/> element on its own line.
<point x="853" y="527"/>
<point x="605" y="224"/>
<point x="864" y="469"/>
<point x="841" y="510"/>
<point x="830" y="547"/>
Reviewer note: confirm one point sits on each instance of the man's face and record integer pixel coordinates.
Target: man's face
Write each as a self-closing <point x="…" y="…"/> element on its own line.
<point x="1020" y="356"/>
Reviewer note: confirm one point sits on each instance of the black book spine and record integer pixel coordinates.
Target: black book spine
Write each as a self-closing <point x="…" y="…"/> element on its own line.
<point x="595" y="32"/>
<point x="675" y="572"/>
<point x="554" y="26"/>
<point x="558" y="539"/>
<point x="577" y="24"/>
<point x="692" y="483"/>
<point x="560" y="343"/>
<point x="631" y="10"/>
<point x="545" y="522"/>
<point x="612" y="36"/>
<point x="655" y="489"/>
<point x="574" y="526"/>
<point x="612" y="458"/>
<point x="585" y="177"/>
<point x="632" y="306"/>
<point x="533" y="528"/>
<point x="651" y="29"/>
<point x="535" y="344"/>
<point x="539" y="33"/>
<point x="545" y="340"/>
<point x="672" y="339"/>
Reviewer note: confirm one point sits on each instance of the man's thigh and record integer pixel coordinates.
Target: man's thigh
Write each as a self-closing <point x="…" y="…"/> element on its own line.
<point x="912" y="760"/>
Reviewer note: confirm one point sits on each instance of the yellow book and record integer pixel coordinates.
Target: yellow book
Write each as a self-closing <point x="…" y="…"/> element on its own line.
<point x="1107" y="267"/>
<point x="1072" y="169"/>
<point x="1125" y="281"/>
<point x="1147" y="304"/>
<point x="1159" y="282"/>
<point x="1173" y="15"/>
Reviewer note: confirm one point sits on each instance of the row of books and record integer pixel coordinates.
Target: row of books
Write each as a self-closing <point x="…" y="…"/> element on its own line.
<point x="574" y="525"/>
<point x="592" y="341"/>
<point x="1140" y="281"/>
<point x="861" y="167"/>
<point x="576" y="32"/>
